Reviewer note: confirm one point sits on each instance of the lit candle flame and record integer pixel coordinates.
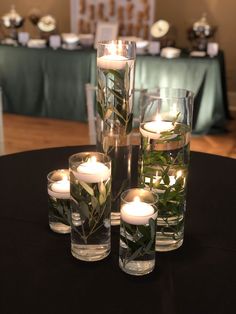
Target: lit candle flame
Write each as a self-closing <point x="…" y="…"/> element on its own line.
<point x="115" y="48"/>
<point x="136" y="199"/>
<point x="92" y="159"/>
<point x="112" y="49"/>
<point x="158" y="118"/>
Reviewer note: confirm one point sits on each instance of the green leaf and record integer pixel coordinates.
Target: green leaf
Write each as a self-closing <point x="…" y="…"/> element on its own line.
<point x="117" y="75"/>
<point x="84" y="210"/>
<point x="127" y="78"/>
<point x="117" y="84"/>
<point x="129" y="124"/>
<point x="176" y="118"/>
<point x="87" y="187"/>
<point x="152" y="224"/>
<point x="135" y="254"/>
<point x="119" y="115"/>
<point x="119" y="97"/>
<point x="100" y="110"/>
<point x="166" y="179"/>
<point x="94" y="202"/>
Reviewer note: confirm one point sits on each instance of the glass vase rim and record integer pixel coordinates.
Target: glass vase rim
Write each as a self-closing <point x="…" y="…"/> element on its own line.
<point x="55" y="171"/>
<point x="90" y="153"/>
<point x="154" y="195"/>
<point x="116" y="41"/>
<point x="153" y="93"/>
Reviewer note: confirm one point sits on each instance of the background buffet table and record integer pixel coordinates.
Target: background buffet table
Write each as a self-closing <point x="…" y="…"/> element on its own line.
<point x="44" y="82"/>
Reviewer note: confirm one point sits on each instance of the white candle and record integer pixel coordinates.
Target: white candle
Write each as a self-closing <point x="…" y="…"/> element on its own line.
<point x="60" y="189"/>
<point x="112" y="62"/>
<point x="137" y="213"/>
<point x="92" y="171"/>
<point x="153" y="129"/>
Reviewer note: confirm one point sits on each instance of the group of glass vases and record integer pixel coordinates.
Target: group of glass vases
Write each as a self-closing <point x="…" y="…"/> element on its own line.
<point x="165" y="127"/>
<point x="146" y="195"/>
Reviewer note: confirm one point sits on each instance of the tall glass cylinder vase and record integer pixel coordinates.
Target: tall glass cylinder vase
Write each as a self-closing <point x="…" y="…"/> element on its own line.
<point x="115" y="82"/>
<point x="164" y="158"/>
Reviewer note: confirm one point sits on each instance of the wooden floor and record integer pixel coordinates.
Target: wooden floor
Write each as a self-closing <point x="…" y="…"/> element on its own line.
<point x="23" y="133"/>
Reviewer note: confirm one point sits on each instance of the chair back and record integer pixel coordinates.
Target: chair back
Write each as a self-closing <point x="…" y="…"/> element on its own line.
<point x="90" y="92"/>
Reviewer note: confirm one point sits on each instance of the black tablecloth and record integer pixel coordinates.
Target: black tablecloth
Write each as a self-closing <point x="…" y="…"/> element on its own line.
<point x="39" y="274"/>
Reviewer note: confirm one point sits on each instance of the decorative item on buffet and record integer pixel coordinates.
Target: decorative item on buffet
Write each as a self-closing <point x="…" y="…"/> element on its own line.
<point x="164" y="32"/>
<point x="55" y="41"/>
<point x="212" y="49"/>
<point x="47" y="26"/>
<point x="70" y="41"/>
<point x="23" y="38"/>
<point x="34" y="16"/>
<point x="12" y="20"/>
<point x="200" y="33"/>
<point x="86" y="40"/>
<point x="154" y="47"/>
<point x="37" y="43"/>
<point x="170" y="52"/>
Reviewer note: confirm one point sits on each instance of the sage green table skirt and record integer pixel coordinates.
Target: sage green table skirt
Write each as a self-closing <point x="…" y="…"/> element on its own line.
<point x="48" y="83"/>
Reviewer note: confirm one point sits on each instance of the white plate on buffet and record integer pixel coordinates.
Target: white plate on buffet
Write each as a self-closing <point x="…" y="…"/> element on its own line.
<point x="170" y="52"/>
<point x="36" y="43"/>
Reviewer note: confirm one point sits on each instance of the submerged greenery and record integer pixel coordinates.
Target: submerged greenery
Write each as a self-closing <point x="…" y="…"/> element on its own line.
<point x="139" y="241"/>
<point x="113" y="97"/>
<point x="59" y="210"/>
<point x="92" y="202"/>
<point x="163" y="169"/>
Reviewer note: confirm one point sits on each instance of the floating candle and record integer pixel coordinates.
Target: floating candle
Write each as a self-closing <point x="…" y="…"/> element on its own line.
<point x="60" y="189"/>
<point x="92" y="171"/>
<point x="153" y="129"/>
<point x="137" y="212"/>
<point x="112" y="62"/>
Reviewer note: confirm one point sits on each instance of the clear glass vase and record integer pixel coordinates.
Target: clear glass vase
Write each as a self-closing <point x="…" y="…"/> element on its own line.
<point x="90" y="187"/>
<point x="137" y="231"/>
<point x="59" y="200"/>
<point x="115" y="87"/>
<point x="164" y="159"/>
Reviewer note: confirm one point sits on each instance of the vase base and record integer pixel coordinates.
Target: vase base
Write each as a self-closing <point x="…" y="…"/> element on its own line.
<point x="90" y="253"/>
<point x="167" y="244"/>
<point x="137" y="268"/>
<point x="59" y="227"/>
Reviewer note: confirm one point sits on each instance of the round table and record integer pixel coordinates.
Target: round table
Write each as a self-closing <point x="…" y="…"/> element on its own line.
<point x="39" y="274"/>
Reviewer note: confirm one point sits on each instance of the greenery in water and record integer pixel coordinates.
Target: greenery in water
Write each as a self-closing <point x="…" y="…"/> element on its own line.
<point x="113" y="97"/>
<point x="59" y="210"/>
<point x="139" y="239"/>
<point x="157" y="164"/>
<point x="92" y="201"/>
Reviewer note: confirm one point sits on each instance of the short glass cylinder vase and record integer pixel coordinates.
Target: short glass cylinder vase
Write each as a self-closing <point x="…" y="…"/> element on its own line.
<point x="164" y="159"/>
<point x="137" y="231"/>
<point x="59" y="200"/>
<point x="90" y="186"/>
<point x="115" y="84"/>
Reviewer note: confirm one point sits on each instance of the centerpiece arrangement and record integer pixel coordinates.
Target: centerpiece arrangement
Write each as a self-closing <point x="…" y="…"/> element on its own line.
<point x="151" y="215"/>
